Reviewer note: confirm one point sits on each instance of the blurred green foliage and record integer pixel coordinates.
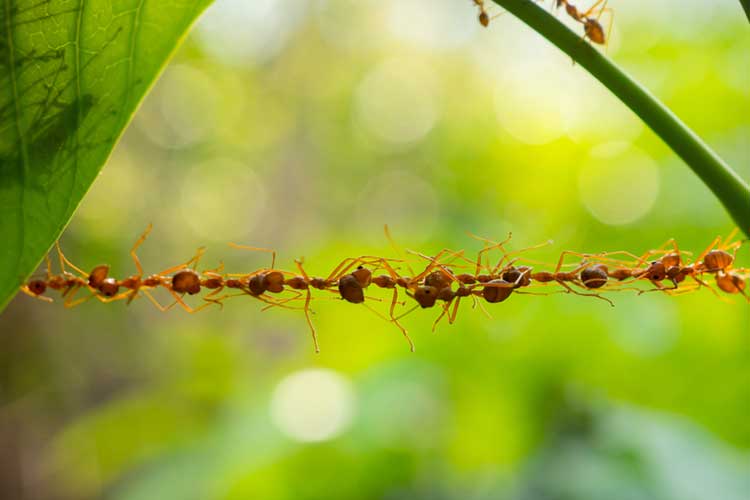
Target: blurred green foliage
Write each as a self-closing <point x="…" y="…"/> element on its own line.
<point x="306" y="126"/>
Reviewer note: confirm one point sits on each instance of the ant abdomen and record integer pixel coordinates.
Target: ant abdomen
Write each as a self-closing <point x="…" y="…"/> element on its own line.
<point x="98" y="275"/>
<point x="497" y="290"/>
<point x="717" y="260"/>
<point x="186" y="281"/>
<point x="730" y="282"/>
<point x="109" y="287"/>
<point x="351" y="290"/>
<point x="594" y="276"/>
<point x="274" y="281"/>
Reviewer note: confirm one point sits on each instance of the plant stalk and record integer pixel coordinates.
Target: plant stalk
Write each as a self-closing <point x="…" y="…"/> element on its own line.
<point x="731" y="190"/>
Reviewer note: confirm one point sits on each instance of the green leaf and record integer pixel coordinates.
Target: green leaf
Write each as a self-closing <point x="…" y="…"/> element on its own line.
<point x="72" y="73"/>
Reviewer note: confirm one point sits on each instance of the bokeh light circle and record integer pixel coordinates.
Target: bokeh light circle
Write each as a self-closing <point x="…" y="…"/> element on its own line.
<point x="222" y="200"/>
<point x="445" y="24"/>
<point x="618" y="184"/>
<point x="592" y="114"/>
<point x="242" y="32"/>
<point x="181" y="109"/>
<point x="313" y="405"/>
<point x="528" y="99"/>
<point x="397" y="101"/>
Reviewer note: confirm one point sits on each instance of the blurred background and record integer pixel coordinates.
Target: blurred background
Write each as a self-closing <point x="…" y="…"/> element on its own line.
<point x="305" y="126"/>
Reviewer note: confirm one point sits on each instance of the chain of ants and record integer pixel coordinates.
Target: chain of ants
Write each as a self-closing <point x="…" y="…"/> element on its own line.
<point x="446" y="278"/>
<point x="589" y="18"/>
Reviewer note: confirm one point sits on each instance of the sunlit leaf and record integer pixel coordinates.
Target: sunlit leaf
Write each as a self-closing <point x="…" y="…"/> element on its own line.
<point x="71" y="75"/>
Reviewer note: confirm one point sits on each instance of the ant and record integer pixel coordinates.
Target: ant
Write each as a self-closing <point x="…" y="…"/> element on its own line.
<point x="592" y="28"/>
<point x="484" y="17"/>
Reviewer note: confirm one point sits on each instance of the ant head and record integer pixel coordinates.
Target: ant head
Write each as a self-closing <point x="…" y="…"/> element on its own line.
<point x="37" y="287"/>
<point x="363" y="276"/>
<point x="426" y="296"/>
<point x="656" y="271"/>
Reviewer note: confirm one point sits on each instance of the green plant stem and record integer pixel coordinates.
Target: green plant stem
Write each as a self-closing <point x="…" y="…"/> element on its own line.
<point x="729" y="188"/>
<point x="746" y="5"/>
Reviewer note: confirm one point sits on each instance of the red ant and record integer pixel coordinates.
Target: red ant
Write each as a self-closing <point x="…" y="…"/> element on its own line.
<point x="592" y="28"/>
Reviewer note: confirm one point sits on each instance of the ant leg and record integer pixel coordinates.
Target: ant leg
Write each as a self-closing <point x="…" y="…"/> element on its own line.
<point x="49" y="266"/>
<point x="593" y="8"/>
<point x="208" y="298"/>
<point x="489" y="246"/>
<point x="178" y="300"/>
<point x="25" y="289"/>
<point x="702" y="283"/>
<point x="611" y="23"/>
<point x="137" y="261"/>
<point x="199" y="253"/>
<point x="343" y="267"/>
<point x="154" y="301"/>
<point x="570" y="252"/>
<point x="64" y="260"/>
<point x="274" y="302"/>
<point x="308" y="297"/>
<point x="516" y="252"/>
<point x="396" y="248"/>
<point x="732" y="235"/>
<point x="571" y="290"/>
<point x="394" y="320"/>
<point x="349" y="263"/>
<point x="452" y="315"/>
<point x="69" y="302"/>
<point x="402" y="315"/>
<point x="302" y="270"/>
<point x="478" y="302"/>
<point x="710" y="247"/>
<point x="257" y="249"/>
<point x="442" y="314"/>
<point x="434" y="263"/>
<point x="138" y="243"/>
